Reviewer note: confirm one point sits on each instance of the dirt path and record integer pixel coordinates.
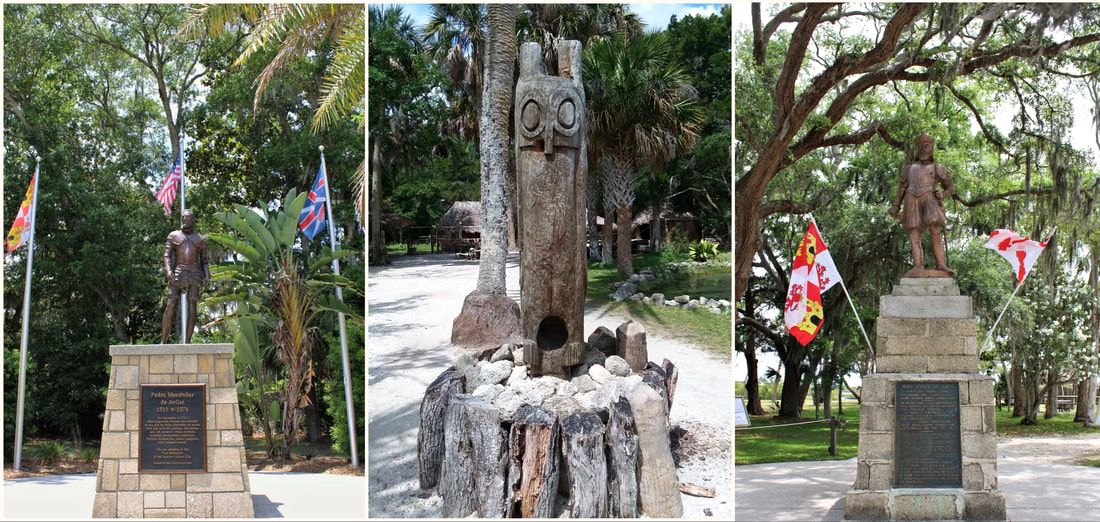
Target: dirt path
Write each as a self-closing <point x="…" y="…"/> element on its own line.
<point x="1050" y="449"/>
<point x="411" y="305"/>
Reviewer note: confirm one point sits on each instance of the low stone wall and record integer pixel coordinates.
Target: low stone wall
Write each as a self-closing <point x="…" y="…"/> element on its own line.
<point x="222" y="491"/>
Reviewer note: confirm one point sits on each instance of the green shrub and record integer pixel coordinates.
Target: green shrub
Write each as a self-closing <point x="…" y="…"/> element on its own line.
<point x="703" y="251"/>
<point x="86" y="454"/>
<point x="47" y="452"/>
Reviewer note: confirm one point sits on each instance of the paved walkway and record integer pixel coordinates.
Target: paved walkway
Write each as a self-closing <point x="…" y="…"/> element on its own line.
<point x="411" y="306"/>
<point x="274" y="495"/>
<point x="806" y="491"/>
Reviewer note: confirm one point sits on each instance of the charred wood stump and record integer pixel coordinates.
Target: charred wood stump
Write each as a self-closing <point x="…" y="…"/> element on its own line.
<point x="622" y="452"/>
<point x="658" y="486"/>
<point x="533" y="467"/>
<point x="430" y="439"/>
<point x="474" y="461"/>
<point x="583" y="449"/>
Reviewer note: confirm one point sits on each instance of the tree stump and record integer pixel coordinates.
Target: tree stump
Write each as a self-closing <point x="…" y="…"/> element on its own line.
<point x="583" y="449"/>
<point x="474" y="460"/>
<point x="622" y="452"/>
<point x="672" y="374"/>
<point x="533" y="468"/>
<point x="433" y="409"/>
<point x="658" y="486"/>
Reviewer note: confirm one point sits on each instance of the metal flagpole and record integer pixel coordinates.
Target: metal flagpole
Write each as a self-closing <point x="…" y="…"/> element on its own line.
<point x="870" y="351"/>
<point x="989" y="335"/>
<point x="353" y="439"/>
<point x="183" y="205"/>
<point x="26" y="322"/>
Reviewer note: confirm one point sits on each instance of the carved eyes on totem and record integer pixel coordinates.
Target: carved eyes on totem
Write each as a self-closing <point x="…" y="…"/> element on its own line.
<point x="531" y="117"/>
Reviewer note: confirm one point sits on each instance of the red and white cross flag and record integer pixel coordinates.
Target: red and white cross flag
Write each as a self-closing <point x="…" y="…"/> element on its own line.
<point x="1019" y="251"/>
<point x="812" y="273"/>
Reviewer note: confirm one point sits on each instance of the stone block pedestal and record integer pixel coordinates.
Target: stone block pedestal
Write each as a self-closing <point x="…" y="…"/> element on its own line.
<point x="217" y="485"/>
<point x="928" y="455"/>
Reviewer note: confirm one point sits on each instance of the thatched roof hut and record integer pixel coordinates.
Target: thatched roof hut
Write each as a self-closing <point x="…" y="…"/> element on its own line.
<point x="674" y="225"/>
<point x="459" y="229"/>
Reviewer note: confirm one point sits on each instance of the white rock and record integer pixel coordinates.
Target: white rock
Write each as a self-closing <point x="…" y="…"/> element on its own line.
<point x="502" y="353"/>
<point x="517" y="355"/>
<point x="586" y="400"/>
<point x="617" y="366"/>
<point x="584" y="384"/>
<point x="492" y="373"/>
<point x="715" y="310"/>
<point x="691" y="305"/>
<point x="508" y="402"/>
<point x="488" y="392"/>
<point x="567" y="388"/>
<point x="599" y="374"/>
<point x="658" y="298"/>
<point x="723" y="303"/>
<point x="519" y="373"/>
<point x="561" y="406"/>
<point x="682" y="299"/>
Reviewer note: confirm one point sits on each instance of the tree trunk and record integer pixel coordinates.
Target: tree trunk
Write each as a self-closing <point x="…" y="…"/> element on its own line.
<point x="533" y="471"/>
<point x="499" y="81"/>
<point x="752" y="380"/>
<point x="377" y="244"/>
<point x="622" y="454"/>
<point x="790" y="402"/>
<point x="1052" y="401"/>
<point x="472" y="480"/>
<point x="840" y="398"/>
<point x="625" y="259"/>
<point x="583" y="449"/>
<point x="606" y="249"/>
<point x="430" y="441"/>
<point x="1020" y="395"/>
<point x="1081" y="409"/>
<point x="619" y="185"/>
<point x="1090" y="399"/>
<point x="511" y="222"/>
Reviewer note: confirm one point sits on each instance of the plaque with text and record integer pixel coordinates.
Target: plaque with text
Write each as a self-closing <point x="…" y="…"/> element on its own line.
<point x="927" y="439"/>
<point x="172" y="429"/>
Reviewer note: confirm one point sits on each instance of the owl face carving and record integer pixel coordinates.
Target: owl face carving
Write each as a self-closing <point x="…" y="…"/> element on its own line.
<point x="549" y="109"/>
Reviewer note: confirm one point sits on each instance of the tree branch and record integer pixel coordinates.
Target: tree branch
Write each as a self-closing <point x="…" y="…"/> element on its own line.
<point x="751" y="322"/>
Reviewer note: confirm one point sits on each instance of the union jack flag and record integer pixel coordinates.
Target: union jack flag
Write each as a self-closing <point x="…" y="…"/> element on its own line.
<point x="167" y="193"/>
<point x="312" y="218"/>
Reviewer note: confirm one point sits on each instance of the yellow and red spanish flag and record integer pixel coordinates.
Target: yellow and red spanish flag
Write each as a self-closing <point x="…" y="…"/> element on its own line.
<point x="23" y="226"/>
<point x="812" y="273"/>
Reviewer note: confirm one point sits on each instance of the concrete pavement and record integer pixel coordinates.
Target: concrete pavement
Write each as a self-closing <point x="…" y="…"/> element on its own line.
<point x="815" y="491"/>
<point x="274" y="495"/>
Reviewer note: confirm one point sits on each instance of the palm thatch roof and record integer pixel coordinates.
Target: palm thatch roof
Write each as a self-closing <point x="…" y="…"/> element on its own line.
<point x="462" y="214"/>
<point x="394" y="222"/>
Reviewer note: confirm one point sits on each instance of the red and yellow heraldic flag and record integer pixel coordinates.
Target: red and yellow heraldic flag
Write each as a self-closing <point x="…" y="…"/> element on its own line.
<point x="23" y="226"/>
<point x="812" y="273"/>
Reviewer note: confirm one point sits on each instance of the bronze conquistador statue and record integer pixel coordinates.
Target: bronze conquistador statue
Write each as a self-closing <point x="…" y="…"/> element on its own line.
<point x="924" y="208"/>
<point x="187" y="271"/>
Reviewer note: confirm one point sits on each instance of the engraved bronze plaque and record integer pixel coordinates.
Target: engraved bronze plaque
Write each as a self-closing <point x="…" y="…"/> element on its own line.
<point x="927" y="439"/>
<point x="172" y="428"/>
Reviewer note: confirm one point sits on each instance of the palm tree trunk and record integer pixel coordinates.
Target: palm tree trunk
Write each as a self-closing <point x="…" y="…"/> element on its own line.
<point x="496" y="103"/>
<point x="620" y="184"/>
<point x="377" y="244"/>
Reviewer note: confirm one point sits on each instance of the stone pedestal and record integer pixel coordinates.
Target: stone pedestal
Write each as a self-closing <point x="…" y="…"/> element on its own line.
<point x="129" y="485"/>
<point x="926" y="456"/>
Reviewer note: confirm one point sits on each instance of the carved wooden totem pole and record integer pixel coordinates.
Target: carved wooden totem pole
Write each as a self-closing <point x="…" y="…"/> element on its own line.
<point x="551" y="161"/>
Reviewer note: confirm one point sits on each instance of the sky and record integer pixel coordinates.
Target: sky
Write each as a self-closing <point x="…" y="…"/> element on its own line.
<point x="654" y="16"/>
<point x="1082" y="135"/>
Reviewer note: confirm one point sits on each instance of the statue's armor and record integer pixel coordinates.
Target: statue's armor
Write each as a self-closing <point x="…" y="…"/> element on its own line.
<point x="922" y="208"/>
<point x="184" y="257"/>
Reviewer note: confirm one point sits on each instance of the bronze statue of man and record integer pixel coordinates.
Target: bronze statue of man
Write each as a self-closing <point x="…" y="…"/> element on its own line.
<point x="187" y="271"/>
<point x="924" y="209"/>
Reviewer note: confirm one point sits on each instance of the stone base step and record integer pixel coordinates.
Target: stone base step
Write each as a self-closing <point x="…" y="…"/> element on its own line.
<point x="926" y="306"/>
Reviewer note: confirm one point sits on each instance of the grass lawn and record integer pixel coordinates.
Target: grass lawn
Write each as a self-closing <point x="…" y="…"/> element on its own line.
<point x="700" y="327"/>
<point x="797" y="443"/>
<point x="1061" y="424"/>
<point x="811" y="441"/>
<point x="401" y="249"/>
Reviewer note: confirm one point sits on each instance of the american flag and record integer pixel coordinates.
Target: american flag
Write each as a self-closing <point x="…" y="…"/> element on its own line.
<point x="167" y="193"/>
<point x="312" y="218"/>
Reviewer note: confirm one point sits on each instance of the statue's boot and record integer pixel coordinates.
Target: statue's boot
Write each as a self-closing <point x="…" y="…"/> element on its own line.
<point x="939" y="252"/>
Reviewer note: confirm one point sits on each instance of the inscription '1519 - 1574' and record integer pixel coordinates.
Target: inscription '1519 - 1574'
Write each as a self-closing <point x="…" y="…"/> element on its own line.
<point x="172" y="428"/>
<point x="927" y="440"/>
